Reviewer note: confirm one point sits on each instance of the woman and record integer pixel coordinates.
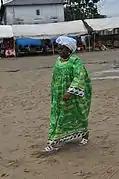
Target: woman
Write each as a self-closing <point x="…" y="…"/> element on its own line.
<point x="71" y="92"/>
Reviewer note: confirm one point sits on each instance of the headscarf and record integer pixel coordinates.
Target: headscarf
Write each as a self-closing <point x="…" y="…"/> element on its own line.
<point x="68" y="42"/>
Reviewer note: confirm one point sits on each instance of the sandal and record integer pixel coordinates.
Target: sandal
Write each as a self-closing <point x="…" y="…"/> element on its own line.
<point x="85" y="138"/>
<point x="84" y="141"/>
<point x="50" y="149"/>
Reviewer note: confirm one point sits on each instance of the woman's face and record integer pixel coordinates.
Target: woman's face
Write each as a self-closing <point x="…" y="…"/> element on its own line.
<point x="63" y="51"/>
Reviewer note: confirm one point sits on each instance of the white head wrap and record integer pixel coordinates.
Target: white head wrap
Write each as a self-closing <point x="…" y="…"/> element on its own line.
<point x="68" y="42"/>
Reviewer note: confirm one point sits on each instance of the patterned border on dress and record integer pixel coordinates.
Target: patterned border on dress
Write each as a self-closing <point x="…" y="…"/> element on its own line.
<point x="66" y="139"/>
<point x="75" y="92"/>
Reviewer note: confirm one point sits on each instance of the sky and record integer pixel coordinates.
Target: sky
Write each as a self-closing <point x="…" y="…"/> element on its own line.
<point x="109" y="7"/>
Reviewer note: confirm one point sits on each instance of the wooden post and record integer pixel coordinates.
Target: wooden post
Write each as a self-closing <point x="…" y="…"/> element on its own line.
<point x="15" y="48"/>
<point x="94" y="40"/>
<point x="89" y="42"/>
<point x="53" y="50"/>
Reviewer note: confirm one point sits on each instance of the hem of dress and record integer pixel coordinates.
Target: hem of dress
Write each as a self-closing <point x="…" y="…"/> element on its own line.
<point x="68" y="138"/>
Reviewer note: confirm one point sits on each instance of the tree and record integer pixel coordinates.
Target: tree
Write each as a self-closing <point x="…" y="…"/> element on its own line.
<point x="81" y="9"/>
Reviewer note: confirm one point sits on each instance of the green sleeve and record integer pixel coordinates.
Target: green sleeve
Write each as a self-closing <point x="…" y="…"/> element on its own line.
<point x="78" y="83"/>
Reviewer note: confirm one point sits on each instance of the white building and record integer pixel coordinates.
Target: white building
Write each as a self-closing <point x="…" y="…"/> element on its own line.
<point x="34" y="11"/>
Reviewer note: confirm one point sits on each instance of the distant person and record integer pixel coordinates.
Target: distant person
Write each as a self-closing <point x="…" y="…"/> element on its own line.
<point x="101" y="46"/>
<point x="71" y="92"/>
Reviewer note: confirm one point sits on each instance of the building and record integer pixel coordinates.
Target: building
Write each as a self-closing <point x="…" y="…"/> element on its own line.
<point x="34" y="12"/>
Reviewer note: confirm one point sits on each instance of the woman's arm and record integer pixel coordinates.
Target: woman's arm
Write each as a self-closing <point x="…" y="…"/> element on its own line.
<point x="77" y="86"/>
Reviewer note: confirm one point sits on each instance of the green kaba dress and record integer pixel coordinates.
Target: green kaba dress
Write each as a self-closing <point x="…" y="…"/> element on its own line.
<point x="69" y="119"/>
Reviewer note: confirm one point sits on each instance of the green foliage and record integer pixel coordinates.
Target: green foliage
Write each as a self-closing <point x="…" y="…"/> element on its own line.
<point x="81" y="9"/>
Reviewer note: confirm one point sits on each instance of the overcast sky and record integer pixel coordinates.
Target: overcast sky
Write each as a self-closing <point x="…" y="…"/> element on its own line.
<point x="109" y="7"/>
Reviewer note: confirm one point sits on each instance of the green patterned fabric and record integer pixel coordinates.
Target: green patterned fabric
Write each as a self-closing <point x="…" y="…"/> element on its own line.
<point x="69" y="117"/>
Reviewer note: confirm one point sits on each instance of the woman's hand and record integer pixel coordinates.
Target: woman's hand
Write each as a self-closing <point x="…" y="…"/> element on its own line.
<point x="66" y="96"/>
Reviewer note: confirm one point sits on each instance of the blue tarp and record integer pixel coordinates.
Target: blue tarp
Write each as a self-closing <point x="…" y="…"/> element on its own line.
<point x="28" y="42"/>
<point x="53" y="40"/>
